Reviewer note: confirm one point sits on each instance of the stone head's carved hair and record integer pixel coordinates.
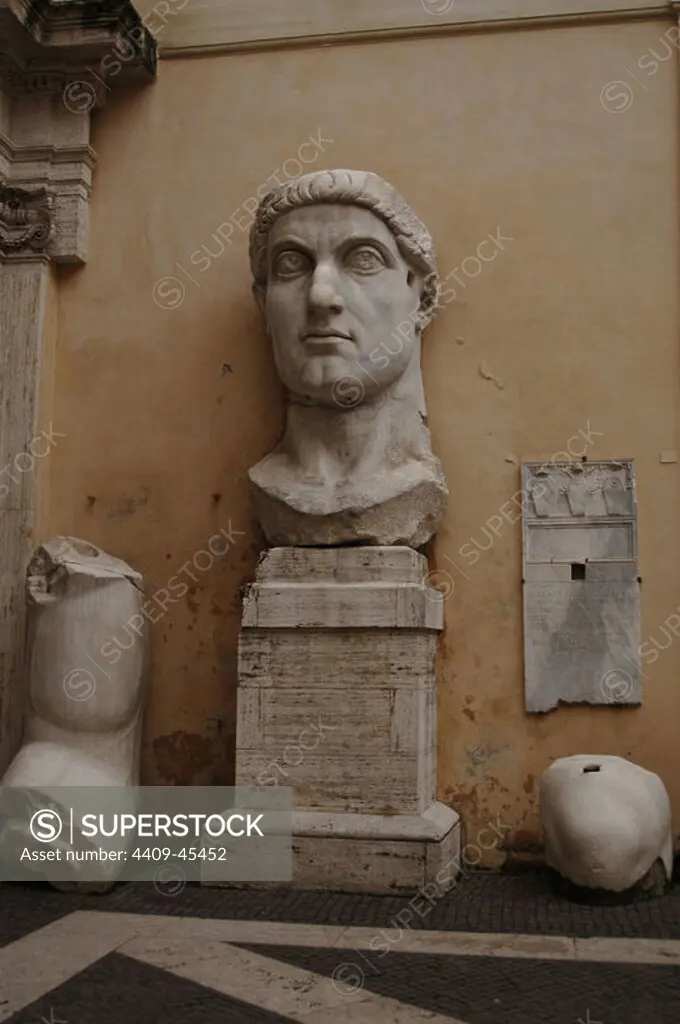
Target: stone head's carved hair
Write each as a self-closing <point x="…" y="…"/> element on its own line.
<point x="355" y="188"/>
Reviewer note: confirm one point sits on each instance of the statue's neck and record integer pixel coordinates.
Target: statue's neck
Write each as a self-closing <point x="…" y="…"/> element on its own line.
<point x="374" y="437"/>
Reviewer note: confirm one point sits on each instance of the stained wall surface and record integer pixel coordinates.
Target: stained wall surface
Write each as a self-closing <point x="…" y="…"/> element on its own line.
<point x="567" y="340"/>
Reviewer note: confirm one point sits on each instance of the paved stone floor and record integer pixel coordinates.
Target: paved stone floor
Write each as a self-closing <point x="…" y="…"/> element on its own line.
<point x="499" y="949"/>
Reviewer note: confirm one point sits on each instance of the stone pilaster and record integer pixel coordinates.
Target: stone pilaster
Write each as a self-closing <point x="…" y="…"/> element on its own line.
<point x="59" y="59"/>
<point x="23" y="296"/>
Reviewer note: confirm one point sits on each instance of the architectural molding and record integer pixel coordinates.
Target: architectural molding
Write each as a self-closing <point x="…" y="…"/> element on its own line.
<point x="26" y="219"/>
<point x="74" y="33"/>
<point x="65" y="171"/>
<point x="59" y="59"/>
<point x="16" y="80"/>
<point x="213" y="26"/>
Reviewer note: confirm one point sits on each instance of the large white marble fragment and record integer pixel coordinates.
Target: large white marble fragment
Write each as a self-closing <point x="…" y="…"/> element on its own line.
<point x="606" y="821"/>
<point x="86" y="672"/>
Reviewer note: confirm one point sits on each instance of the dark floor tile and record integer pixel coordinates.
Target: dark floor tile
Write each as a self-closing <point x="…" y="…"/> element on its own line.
<point x="496" y="990"/>
<point x="24" y="909"/>
<point x="119" y="989"/>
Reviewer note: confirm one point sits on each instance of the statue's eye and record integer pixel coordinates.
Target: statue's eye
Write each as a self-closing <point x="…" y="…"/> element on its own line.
<point x="291" y="262"/>
<point x="365" y="260"/>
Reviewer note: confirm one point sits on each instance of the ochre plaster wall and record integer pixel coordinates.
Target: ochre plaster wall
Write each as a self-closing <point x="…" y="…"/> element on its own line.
<point x="574" y="326"/>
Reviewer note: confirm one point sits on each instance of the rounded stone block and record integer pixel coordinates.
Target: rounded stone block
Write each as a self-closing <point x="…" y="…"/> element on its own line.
<point x="607" y="825"/>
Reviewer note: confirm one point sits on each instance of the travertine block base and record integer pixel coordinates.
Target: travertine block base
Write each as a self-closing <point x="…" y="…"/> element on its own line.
<point x="374" y="853"/>
<point x="337" y="699"/>
<point x="370" y="853"/>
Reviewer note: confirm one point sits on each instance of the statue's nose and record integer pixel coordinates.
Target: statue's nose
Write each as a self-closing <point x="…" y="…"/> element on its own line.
<point x="324" y="291"/>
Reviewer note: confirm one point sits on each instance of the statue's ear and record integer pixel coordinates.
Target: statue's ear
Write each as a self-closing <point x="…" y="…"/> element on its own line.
<point x="429" y="299"/>
<point x="419" y="286"/>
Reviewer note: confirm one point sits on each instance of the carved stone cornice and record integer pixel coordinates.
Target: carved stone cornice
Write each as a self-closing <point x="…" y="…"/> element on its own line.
<point x="45" y="44"/>
<point x="18" y="81"/>
<point x="26" y="220"/>
<point x="60" y="24"/>
<point x="59" y="60"/>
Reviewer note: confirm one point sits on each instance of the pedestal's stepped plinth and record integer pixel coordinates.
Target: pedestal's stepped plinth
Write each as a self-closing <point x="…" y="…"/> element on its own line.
<point x="337" y="700"/>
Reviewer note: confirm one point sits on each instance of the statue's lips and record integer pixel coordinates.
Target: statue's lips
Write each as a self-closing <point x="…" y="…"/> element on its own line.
<point x="325" y="340"/>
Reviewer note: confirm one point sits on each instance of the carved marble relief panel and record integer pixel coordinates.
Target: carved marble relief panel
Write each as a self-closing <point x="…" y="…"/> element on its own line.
<point x="581" y="584"/>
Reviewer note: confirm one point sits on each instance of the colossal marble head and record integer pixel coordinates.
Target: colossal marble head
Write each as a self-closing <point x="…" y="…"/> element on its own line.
<point x="345" y="275"/>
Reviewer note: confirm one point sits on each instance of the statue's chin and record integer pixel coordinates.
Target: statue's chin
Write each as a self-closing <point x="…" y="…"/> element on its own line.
<point x="339" y="383"/>
<point x="323" y="371"/>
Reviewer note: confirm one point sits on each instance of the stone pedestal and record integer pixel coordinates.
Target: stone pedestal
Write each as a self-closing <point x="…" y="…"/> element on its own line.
<point x="337" y="699"/>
